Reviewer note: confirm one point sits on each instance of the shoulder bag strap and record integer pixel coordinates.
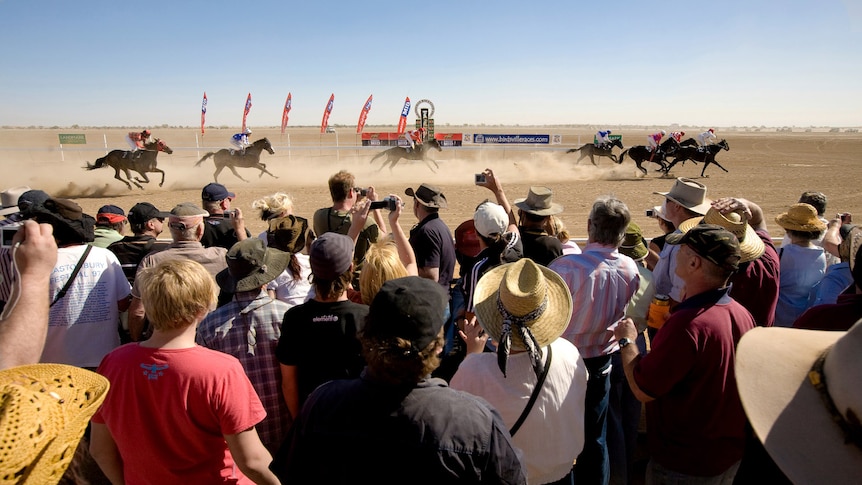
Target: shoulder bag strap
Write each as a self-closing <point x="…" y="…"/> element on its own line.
<point x="75" y="271"/>
<point x="533" y="396"/>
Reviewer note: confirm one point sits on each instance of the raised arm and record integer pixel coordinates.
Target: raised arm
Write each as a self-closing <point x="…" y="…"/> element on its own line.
<point x="493" y="184"/>
<point x="405" y="250"/>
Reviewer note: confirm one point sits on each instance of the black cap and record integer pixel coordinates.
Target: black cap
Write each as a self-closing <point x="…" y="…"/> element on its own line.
<point x="411" y="308"/>
<point x="711" y="242"/>
<point x="144" y="211"/>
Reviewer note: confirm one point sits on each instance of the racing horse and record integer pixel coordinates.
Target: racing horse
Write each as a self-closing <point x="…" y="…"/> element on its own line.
<point x="235" y="158"/>
<point x="707" y="156"/>
<point x="395" y="154"/>
<point x="141" y="161"/>
<point x="591" y="150"/>
<point x="641" y="154"/>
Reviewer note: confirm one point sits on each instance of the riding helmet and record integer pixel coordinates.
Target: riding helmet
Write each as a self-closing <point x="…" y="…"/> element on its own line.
<point x="247" y="131"/>
<point x="663" y="133"/>
<point x="711" y="130"/>
<point x="146" y="132"/>
<point x="609" y="132"/>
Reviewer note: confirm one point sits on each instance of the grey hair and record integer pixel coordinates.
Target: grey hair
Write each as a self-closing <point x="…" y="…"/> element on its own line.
<point x="609" y="218"/>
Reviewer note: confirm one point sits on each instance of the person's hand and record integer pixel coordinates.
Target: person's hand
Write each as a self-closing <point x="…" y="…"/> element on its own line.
<point x="34" y="249"/>
<point x="396" y="214"/>
<point x="236" y="220"/>
<point x="726" y="205"/>
<point x="474" y="336"/>
<point x="371" y="194"/>
<point x="491" y="182"/>
<point x="626" y="329"/>
<point x="846" y="217"/>
<point x="359" y="213"/>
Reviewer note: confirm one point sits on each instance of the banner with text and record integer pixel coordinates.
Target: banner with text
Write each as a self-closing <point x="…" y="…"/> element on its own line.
<point x="508" y="139"/>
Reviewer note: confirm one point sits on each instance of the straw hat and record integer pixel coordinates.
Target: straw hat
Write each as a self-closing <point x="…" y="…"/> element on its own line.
<point x="751" y="246"/>
<point x="688" y="193"/>
<point x="775" y="371"/>
<point x="44" y="410"/>
<point x="521" y="288"/>
<point x="850" y="246"/>
<point x="801" y="217"/>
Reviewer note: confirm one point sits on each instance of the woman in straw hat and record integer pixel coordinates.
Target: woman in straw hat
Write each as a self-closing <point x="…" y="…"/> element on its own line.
<point x="525" y="307"/>
<point x="803" y="263"/>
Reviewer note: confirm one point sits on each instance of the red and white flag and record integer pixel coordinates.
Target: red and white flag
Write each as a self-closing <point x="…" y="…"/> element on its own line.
<point x="285" y="113"/>
<point x="363" y="115"/>
<point x="402" y="122"/>
<point x="326" y="112"/>
<point x="203" y="113"/>
<point x="246" y="110"/>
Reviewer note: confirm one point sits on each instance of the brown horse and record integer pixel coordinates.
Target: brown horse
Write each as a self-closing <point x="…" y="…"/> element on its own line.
<point x="592" y="150"/>
<point x="395" y="154"/>
<point x="141" y="161"/>
<point x="234" y="158"/>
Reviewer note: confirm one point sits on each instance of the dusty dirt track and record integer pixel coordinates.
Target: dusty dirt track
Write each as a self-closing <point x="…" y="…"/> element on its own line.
<point x="771" y="169"/>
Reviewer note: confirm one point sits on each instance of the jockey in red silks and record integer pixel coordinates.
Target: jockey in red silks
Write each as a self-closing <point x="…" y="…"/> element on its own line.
<point x="415" y="137"/>
<point x="677" y="135"/>
<point x="137" y="140"/>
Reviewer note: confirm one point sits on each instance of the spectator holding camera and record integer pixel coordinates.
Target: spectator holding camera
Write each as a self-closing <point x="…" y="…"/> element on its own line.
<point x="224" y="226"/>
<point x="337" y="218"/>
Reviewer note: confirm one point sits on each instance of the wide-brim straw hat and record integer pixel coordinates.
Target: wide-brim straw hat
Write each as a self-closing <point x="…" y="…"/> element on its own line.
<point x="522" y="287"/>
<point x="538" y="202"/>
<point x="850" y="245"/>
<point x="788" y="413"/>
<point x="690" y="194"/>
<point x="44" y="410"/>
<point x="751" y="246"/>
<point x="801" y="217"/>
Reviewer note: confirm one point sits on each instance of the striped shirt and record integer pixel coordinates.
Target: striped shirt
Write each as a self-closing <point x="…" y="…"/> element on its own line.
<point x="602" y="282"/>
<point x="248" y="328"/>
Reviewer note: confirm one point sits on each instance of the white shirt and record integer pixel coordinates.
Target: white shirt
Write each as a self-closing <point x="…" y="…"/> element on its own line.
<point x="552" y="436"/>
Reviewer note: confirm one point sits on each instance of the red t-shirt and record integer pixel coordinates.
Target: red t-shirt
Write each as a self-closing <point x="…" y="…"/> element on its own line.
<point x="169" y="409"/>
<point x="696" y="422"/>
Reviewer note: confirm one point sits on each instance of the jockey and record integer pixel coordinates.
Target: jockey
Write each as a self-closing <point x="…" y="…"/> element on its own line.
<point x="240" y="140"/>
<point x="705" y="139"/>
<point x="602" y="139"/>
<point x="137" y="140"/>
<point x="677" y="135"/>
<point x="414" y="137"/>
<point x="654" y="140"/>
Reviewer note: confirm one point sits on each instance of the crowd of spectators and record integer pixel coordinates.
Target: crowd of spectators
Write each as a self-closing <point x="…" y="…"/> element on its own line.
<point x="342" y="349"/>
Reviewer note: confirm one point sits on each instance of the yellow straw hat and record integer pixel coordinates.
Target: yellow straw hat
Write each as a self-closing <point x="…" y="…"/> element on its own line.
<point x="44" y="410"/>
<point x="751" y="246"/>
<point x="801" y="217"/>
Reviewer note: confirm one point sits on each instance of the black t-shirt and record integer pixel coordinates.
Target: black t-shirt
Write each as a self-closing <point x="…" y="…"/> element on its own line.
<point x="320" y="340"/>
<point x="540" y="247"/>
<point x="130" y="251"/>
<point x="434" y="247"/>
<point x="219" y="232"/>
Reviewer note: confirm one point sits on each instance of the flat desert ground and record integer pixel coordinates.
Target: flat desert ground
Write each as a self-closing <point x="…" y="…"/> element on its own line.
<point x="769" y="168"/>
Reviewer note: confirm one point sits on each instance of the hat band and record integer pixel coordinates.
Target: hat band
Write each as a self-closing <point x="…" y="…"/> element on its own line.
<point x="852" y="429"/>
<point x="530" y="342"/>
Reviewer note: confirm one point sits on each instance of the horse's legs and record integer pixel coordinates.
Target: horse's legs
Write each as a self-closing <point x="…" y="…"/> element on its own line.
<point x="218" y="171"/>
<point x="639" y="162"/>
<point x="232" y="169"/>
<point x="144" y="180"/>
<point x="263" y="170"/>
<point x="583" y="155"/>
<point x="163" y="175"/>
<point x="117" y="176"/>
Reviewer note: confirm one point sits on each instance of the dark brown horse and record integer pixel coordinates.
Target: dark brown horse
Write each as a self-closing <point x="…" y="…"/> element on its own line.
<point x="707" y="156"/>
<point x="641" y="154"/>
<point x="592" y="150"/>
<point x="234" y="158"/>
<point x="141" y="161"/>
<point x="395" y="154"/>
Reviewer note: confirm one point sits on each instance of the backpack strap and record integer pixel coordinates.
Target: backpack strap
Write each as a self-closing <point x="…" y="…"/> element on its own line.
<point x="60" y="294"/>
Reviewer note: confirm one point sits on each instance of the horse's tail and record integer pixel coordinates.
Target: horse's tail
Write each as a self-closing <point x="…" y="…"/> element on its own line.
<point x="100" y="162"/>
<point x="204" y="158"/>
<point x="623" y="155"/>
<point x="573" y="150"/>
<point x="378" y="156"/>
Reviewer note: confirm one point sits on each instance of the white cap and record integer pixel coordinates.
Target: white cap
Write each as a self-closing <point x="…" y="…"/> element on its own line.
<point x="490" y="218"/>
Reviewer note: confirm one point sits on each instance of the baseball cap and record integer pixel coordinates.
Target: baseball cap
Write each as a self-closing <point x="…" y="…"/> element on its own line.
<point x="142" y="212"/>
<point x="110" y="214"/>
<point x="215" y="192"/>
<point x="411" y="308"/>
<point x="490" y="218"/>
<point x="712" y="242"/>
<point x="330" y="255"/>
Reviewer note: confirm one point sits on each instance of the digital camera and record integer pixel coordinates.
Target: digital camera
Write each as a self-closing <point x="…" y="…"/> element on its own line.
<point x="650" y="213"/>
<point x="480" y="178"/>
<point x="361" y="191"/>
<point x="388" y="203"/>
<point x="8" y="232"/>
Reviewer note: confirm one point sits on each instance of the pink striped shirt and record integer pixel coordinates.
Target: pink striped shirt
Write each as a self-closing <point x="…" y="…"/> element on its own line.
<point x="602" y="282"/>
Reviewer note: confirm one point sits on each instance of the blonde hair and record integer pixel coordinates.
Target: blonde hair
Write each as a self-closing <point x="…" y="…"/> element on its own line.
<point x="559" y="229"/>
<point x="175" y="292"/>
<point x="381" y="265"/>
<point x="273" y="205"/>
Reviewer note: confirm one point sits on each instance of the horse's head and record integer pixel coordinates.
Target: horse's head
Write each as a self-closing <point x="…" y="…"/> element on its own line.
<point x="264" y="144"/>
<point x="163" y="147"/>
<point x="724" y="144"/>
<point x="433" y="143"/>
<point x="616" y="142"/>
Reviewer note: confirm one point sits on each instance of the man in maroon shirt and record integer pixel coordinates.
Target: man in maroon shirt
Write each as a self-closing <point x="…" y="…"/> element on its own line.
<point x="695" y="419"/>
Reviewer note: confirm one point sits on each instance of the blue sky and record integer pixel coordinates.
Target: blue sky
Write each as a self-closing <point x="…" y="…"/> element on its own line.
<point x="147" y="63"/>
